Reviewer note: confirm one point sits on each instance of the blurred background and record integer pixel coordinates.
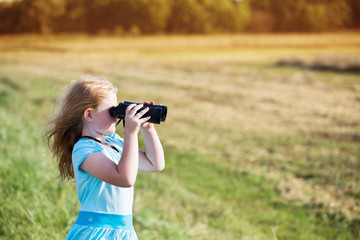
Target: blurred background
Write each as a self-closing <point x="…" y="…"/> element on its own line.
<point x="263" y="128"/>
<point x="170" y="16"/>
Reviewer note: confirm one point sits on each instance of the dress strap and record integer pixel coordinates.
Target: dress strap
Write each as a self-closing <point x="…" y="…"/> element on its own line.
<point x="103" y="143"/>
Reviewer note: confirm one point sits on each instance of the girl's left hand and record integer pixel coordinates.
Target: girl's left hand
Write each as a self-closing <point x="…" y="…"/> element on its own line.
<point x="147" y="125"/>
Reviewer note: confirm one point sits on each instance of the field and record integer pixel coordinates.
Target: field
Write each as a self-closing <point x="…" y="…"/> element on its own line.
<point x="255" y="150"/>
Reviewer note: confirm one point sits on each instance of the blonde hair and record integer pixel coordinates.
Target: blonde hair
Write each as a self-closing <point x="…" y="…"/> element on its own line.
<point x="66" y="127"/>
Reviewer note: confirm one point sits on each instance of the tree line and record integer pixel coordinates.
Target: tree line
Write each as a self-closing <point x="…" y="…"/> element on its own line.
<point x="176" y="16"/>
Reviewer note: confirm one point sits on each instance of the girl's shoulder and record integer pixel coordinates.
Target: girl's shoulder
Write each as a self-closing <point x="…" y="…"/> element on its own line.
<point x="85" y="143"/>
<point x="82" y="149"/>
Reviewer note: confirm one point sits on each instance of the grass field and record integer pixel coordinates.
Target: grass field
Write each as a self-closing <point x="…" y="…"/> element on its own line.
<point x="254" y="150"/>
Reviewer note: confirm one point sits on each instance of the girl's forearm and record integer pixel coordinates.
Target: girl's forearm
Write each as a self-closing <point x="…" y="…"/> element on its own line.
<point x="129" y="162"/>
<point x="153" y="148"/>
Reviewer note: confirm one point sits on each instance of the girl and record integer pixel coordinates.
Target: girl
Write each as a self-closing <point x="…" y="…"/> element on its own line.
<point x="104" y="165"/>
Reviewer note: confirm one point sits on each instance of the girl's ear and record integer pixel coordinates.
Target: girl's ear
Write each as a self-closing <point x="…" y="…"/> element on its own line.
<point x="88" y="114"/>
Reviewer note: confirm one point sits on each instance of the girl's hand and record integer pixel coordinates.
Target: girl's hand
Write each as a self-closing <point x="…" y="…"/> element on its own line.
<point x="147" y="125"/>
<point x="134" y="120"/>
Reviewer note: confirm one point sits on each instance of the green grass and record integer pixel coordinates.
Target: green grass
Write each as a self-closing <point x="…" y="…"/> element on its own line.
<point x="251" y="153"/>
<point x="196" y="197"/>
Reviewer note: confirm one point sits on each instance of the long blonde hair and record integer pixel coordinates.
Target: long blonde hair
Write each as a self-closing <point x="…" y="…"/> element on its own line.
<point x="66" y="127"/>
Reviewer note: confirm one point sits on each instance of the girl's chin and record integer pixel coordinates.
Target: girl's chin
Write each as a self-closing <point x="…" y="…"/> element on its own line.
<point x="113" y="130"/>
<point x="110" y="131"/>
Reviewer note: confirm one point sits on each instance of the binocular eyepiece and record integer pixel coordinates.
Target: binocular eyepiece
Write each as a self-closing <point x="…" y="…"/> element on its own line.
<point x="157" y="113"/>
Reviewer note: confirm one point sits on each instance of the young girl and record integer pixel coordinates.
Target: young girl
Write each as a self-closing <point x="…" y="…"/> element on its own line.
<point x="104" y="165"/>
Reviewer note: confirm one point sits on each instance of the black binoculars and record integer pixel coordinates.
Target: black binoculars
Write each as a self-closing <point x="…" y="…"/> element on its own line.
<point x="157" y="113"/>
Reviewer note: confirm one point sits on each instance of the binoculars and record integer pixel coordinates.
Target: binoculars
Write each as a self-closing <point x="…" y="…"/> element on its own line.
<point x="157" y="113"/>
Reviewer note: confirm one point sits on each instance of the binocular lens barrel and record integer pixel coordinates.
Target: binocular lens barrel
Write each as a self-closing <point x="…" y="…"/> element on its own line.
<point x="157" y="113"/>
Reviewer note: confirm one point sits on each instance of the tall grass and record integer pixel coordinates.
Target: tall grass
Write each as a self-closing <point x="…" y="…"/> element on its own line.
<point x="253" y="150"/>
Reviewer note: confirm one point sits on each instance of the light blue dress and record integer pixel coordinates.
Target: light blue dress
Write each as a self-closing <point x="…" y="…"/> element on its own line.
<point x="106" y="210"/>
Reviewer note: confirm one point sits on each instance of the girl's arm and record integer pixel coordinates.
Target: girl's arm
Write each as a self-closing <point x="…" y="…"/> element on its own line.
<point x="152" y="160"/>
<point x="124" y="173"/>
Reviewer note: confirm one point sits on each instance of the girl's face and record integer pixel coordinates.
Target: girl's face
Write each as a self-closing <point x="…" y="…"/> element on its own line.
<point x="103" y="123"/>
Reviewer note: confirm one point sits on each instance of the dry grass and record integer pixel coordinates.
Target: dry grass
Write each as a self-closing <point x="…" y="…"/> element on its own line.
<point x="346" y="63"/>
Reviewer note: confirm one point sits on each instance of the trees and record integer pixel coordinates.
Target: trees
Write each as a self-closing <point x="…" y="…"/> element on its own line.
<point x="208" y="16"/>
<point x="175" y="16"/>
<point x="326" y="15"/>
<point x="355" y="9"/>
<point x="227" y="15"/>
<point x="9" y="16"/>
<point x="307" y="15"/>
<point x="38" y="16"/>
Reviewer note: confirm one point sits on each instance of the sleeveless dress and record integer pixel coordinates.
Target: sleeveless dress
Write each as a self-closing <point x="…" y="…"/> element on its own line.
<point x="106" y="210"/>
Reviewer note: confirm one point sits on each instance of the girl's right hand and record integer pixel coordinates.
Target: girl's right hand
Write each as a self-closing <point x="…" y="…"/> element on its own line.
<point x="133" y="120"/>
